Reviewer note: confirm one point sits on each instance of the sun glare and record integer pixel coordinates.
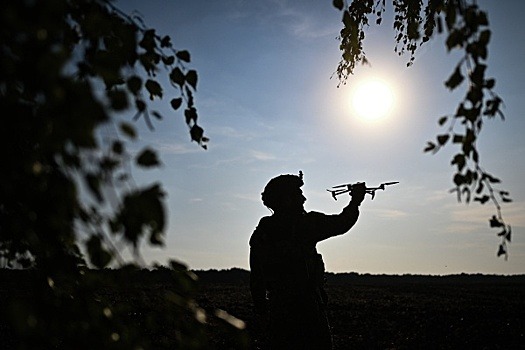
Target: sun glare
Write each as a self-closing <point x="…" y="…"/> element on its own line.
<point x="372" y="100"/>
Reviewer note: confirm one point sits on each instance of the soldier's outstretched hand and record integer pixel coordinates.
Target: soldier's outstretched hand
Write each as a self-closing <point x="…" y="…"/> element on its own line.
<point x="358" y="192"/>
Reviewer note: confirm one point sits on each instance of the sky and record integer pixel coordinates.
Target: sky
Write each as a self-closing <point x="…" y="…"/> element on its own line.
<point x="270" y="104"/>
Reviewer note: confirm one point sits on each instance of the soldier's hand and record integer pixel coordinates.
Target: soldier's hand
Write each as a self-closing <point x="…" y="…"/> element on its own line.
<point x="358" y="192"/>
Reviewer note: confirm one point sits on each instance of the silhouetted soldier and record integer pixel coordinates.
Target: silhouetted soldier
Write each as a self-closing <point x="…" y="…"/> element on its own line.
<point x="287" y="272"/>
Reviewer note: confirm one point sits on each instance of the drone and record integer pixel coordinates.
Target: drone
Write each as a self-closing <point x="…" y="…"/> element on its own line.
<point x="347" y="188"/>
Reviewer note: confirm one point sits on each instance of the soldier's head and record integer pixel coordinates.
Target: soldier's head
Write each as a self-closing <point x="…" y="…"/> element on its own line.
<point x="283" y="193"/>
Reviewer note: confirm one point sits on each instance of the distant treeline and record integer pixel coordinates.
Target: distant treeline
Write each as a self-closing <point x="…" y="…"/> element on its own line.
<point x="240" y="276"/>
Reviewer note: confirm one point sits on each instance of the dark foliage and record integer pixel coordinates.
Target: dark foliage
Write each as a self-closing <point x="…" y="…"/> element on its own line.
<point x="119" y="309"/>
<point x="69" y="68"/>
<point x="466" y="28"/>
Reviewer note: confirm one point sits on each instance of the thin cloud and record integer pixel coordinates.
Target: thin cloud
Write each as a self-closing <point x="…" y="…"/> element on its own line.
<point x="262" y="156"/>
<point x="251" y="197"/>
<point x="392" y="214"/>
<point x="475" y="217"/>
<point x="302" y="24"/>
<point x="176" y="148"/>
<point x="286" y="14"/>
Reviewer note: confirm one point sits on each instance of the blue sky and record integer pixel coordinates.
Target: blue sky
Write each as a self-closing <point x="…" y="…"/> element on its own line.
<point x="269" y="105"/>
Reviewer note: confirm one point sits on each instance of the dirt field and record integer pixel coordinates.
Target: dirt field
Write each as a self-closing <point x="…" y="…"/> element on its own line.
<point x="404" y="313"/>
<point x="365" y="312"/>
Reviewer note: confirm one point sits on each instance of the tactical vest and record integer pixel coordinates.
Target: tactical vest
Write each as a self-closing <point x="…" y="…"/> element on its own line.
<point x="288" y="261"/>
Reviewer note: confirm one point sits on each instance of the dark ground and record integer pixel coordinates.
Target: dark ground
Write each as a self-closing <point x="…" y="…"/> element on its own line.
<point x="375" y="312"/>
<point x="405" y="312"/>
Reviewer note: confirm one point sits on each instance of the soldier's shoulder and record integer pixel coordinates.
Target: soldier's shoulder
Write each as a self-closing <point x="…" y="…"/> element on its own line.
<point x="259" y="235"/>
<point x="264" y="223"/>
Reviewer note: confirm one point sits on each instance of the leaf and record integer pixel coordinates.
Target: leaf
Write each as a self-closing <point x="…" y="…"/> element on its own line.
<point x="134" y="84"/>
<point x="148" y="158"/>
<point x="141" y="106"/>
<point x="177" y="265"/>
<point x="454" y="39"/>
<point x="502" y="250"/>
<point x="455" y="79"/>
<point x="108" y="164"/>
<point x="459" y="160"/>
<point x="490" y="83"/>
<point x="191" y="78"/>
<point x="97" y="254"/>
<point x="338" y="4"/>
<point x="477" y="76"/>
<point x="450" y="16"/>
<point x="191" y="115"/>
<point x="484" y="37"/>
<point x="492" y="107"/>
<point x="482" y="200"/>
<point x="165" y="42"/>
<point x="442" y="139"/>
<point x="475" y="94"/>
<point x="490" y="178"/>
<point x="442" y="120"/>
<point x="128" y="130"/>
<point x="156" y="239"/>
<point x="480" y="188"/>
<point x="148" y="41"/>
<point x="459" y="179"/>
<point x="183" y="55"/>
<point x="509" y="233"/>
<point x="495" y="222"/>
<point x="475" y="156"/>
<point x="176" y="103"/>
<point x="117" y="147"/>
<point x="142" y="210"/>
<point x="196" y="133"/>
<point x="118" y="99"/>
<point x="430" y="147"/>
<point x="348" y="21"/>
<point x="482" y="19"/>
<point x="177" y="76"/>
<point x="168" y="60"/>
<point x="504" y="197"/>
<point x="154" y="89"/>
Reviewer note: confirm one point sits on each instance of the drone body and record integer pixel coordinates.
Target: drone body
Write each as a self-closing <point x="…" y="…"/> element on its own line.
<point x="347" y="188"/>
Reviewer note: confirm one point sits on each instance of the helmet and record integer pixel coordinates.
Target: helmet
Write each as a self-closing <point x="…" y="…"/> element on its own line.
<point x="279" y="186"/>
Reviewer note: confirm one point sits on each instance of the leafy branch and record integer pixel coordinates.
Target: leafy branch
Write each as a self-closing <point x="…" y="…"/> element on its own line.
<point x="67" y="197"/>
<point x="466" y="28"/>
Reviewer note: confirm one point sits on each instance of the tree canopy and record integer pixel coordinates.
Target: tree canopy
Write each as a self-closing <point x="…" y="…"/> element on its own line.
<point x="69" y="68"/>
<point x="466" y="28"/>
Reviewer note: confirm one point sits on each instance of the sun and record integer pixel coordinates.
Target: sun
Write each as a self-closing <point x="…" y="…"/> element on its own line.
<point x="372" y="100"/>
